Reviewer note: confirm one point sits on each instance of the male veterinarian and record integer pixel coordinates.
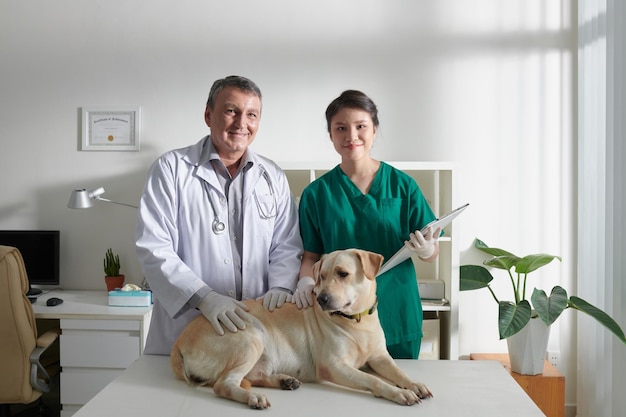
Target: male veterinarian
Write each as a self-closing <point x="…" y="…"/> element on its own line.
<point x="217" y="224"/>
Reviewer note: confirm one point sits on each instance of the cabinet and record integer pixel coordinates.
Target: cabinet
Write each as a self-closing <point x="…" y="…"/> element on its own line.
<point x="436" y="182"/>
<point x="97" y="343"/>
<point x="547" y="389"/>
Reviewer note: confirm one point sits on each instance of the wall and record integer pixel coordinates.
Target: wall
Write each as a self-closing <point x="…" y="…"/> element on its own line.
<point x="488" y="85"/>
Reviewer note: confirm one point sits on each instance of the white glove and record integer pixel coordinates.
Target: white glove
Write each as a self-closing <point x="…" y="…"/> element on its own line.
<point x="303" y="297"/>
<point x="423" y="245"/>
<point x="275" y="298"/>
<point x="231" y="313"/>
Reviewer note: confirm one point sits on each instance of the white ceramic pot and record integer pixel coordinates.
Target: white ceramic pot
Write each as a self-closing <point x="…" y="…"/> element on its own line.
<point x="527" y="348"/>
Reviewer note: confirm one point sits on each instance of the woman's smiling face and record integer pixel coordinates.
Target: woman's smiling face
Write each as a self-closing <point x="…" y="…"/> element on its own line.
<point x="352" y="132"/>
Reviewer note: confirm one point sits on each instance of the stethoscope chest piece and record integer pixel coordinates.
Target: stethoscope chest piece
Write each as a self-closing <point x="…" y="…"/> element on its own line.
<point x="218" y="226"/>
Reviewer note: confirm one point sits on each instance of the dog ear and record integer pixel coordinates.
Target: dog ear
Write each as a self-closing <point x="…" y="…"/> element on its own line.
<point x="317" y="266"/>
<point x="371" y="262"/>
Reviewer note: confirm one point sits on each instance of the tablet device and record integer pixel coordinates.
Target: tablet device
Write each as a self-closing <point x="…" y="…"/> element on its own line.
<point x="403" y="254"/>
<point x="445" y="220"/>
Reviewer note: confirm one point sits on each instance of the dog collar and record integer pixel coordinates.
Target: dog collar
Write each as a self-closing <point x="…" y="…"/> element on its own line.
<point x="357" y="316"/>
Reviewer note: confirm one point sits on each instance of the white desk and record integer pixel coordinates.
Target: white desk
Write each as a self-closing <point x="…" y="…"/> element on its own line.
<point x="460" y="389"/>
<point x="97" y="341"/>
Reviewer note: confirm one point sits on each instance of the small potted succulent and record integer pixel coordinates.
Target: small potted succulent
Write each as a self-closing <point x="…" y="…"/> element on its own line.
<point x="112" y="276"/>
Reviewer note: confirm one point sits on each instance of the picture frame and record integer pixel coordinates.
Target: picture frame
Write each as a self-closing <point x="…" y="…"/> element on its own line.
<point x="111" y="128"/>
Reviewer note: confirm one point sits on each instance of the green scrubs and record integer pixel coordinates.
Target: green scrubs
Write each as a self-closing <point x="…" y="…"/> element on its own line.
<point x="335" y="214"/>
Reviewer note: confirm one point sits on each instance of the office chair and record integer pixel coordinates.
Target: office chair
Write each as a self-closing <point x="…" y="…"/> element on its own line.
<point x="23" y="378"/>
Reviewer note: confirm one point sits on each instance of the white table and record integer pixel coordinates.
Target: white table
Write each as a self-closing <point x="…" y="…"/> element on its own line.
<point x="460" y="388"/>
<point x="98" y="342"/>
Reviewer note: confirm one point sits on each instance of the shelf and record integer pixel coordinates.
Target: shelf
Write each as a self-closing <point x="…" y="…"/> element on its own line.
<point x="429" y="306"/>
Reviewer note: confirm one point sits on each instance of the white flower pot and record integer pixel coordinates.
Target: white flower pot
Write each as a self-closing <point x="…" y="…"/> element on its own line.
<point x="527" y="349"/>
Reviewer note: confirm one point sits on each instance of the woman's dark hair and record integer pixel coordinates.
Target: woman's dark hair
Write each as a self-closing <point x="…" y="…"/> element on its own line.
<point x="237" y="81"/>
<point x="352" y="99"/>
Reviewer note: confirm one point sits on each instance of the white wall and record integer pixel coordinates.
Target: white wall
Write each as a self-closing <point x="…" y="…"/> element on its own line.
<point x="488" y="85"/>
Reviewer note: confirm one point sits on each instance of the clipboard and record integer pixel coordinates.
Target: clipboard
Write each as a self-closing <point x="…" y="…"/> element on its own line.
<point x="403" y="254"/>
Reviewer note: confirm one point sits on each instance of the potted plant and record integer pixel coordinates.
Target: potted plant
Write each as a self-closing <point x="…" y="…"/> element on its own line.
<point x="112" y="276"/>
<point x="517" y="316"/>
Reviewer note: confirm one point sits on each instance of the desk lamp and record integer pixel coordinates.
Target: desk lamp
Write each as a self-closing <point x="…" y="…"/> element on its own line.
<point x="84" y="199"/>
<point x="81" y="198"/>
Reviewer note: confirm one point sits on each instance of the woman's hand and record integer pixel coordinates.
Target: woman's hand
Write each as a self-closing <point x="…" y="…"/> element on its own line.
<point x="424" y="245"/>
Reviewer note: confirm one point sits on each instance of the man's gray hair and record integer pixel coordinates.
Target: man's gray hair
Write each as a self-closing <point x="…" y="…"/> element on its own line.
<point x="236" y="81"/>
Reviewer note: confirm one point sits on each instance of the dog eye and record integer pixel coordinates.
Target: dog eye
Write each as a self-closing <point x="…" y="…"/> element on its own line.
<point x="342" y="274"/>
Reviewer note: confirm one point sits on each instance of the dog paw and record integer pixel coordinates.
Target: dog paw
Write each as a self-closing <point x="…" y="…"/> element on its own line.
<point x="406" y="397"/>
<point x="258" y="401"/>
<point x="289" y="384"/>
<point x="420" y="389"/>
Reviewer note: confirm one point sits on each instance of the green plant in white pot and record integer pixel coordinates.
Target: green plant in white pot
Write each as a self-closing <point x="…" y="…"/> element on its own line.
<point x="515" y="315"/>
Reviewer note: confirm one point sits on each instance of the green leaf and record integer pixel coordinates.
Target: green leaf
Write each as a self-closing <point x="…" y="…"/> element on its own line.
<point x="512" y="317"/>
<point x="480" y="245"/>
<point x="505" y="262"/>
<point x="473" y="277"/>
<point x="549" y="309"/>
<point x="531" y="263"/>
<point x="606" y="320"/>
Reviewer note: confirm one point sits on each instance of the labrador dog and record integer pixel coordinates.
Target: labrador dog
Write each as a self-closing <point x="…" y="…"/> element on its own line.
<point x="336" y="340"/>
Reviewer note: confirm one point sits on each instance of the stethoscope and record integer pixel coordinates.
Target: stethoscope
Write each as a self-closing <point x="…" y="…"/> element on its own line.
<point x="218" y="226"/>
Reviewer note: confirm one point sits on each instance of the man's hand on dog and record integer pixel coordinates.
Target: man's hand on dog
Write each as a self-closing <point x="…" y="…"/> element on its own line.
<point x="303" y="297"/>
<point x="275" y="298"/>
<point x="224" y="311"/>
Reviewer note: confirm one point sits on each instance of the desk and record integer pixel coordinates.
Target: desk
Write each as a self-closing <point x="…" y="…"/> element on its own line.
<point x="460" y="388"/>
<point x="97" y="341"/>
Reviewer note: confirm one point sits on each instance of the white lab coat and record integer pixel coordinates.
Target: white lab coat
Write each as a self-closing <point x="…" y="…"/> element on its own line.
<point x="180" y="254"/>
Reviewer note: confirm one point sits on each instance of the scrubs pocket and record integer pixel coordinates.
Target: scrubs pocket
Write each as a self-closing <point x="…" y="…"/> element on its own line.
<point x="391" y="213"/>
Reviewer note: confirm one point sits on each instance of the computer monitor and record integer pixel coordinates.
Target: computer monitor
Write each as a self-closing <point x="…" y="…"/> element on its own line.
<point x="40" y="250"/>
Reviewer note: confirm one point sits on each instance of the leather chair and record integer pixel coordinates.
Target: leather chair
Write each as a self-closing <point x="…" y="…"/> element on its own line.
<point x="23" y="378"/>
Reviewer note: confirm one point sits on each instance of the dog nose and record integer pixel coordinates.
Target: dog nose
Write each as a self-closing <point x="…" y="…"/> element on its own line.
<point x="323" y="299"/>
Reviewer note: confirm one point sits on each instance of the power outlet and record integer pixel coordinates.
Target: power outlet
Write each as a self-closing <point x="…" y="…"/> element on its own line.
<point x="553" y="358"/>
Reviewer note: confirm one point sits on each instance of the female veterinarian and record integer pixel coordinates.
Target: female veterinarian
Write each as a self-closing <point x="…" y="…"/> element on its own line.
<point x="370" y="205"/>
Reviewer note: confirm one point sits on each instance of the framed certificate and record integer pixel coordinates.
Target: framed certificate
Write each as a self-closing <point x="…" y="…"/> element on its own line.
<point x="111" y="128"/>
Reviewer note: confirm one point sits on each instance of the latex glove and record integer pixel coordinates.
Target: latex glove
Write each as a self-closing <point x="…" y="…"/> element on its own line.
<point x="303" y="297"/>
<point x="275" y="298"/>
<point x="423" y="245"/>
<point x="224" y="311"/>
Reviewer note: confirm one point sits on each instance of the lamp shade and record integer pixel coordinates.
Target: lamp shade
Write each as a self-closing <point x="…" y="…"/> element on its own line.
<point x="80" y="199"/>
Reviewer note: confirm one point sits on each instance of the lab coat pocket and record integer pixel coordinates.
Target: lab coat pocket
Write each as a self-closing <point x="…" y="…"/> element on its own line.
<point x="266" y="205"/>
